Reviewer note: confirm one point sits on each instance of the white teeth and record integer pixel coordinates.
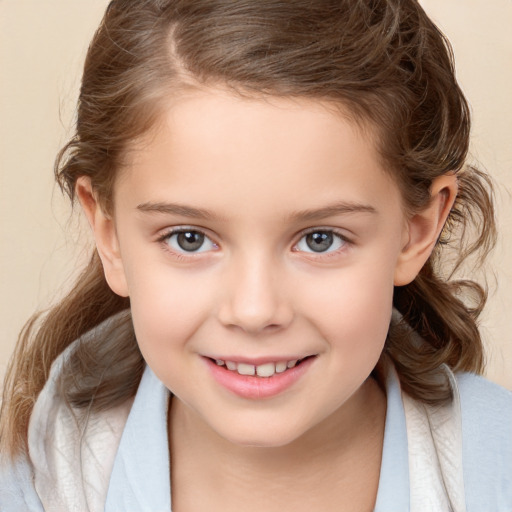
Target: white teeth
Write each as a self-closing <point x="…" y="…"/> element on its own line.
<point x="266" y="370"/>
<point x="281" y="367"/>
<point x="246" y="369"/>
<point x="263" y="370"/>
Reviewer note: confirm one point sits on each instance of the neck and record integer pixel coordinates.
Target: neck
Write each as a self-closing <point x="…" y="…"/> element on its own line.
<point x="344" y="448"/>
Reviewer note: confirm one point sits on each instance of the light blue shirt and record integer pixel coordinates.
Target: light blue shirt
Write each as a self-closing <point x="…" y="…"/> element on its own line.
<point x="140" y="479"/>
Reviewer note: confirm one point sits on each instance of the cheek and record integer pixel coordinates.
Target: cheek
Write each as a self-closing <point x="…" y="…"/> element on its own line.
<point x="167" y="307"/>
<point x="354" y="309"/>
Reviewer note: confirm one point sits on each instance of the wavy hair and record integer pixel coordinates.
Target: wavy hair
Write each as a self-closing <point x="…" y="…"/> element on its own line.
<point x="383" y="60"/>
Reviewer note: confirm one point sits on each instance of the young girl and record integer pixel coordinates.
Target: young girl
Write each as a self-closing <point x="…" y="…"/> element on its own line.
<point x="265" y="323"/>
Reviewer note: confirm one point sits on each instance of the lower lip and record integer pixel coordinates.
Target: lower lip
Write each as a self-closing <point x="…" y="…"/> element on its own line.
<point x="247" y="386"/>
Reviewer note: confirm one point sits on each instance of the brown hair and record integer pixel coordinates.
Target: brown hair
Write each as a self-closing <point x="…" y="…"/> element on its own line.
<point x="384" y="60"/>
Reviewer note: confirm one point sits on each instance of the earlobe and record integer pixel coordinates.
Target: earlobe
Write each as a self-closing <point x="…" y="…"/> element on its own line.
<point x="105" y="236"/>
<point x="424" y="228"/>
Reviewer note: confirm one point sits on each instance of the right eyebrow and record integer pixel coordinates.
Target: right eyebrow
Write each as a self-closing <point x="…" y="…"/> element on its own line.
<point x="176" y="209"/>
<point x="339" y="208"/>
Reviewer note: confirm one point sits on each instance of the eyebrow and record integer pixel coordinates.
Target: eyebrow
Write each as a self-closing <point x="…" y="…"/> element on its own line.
<point x="339" y="208"/>
<point x="176" y="209"/>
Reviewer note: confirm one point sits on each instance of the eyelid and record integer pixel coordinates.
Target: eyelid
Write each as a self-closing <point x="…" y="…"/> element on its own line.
<point x="342" y="233"/>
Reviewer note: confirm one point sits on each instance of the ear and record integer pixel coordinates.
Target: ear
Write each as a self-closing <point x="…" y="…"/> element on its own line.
<point x="424" y="228"/>
<point x="105" y="235"/>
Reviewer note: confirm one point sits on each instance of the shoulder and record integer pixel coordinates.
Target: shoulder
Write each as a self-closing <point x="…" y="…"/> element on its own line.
<point x="486" y="410"/>
<point x="17" y="490"/>
<point x="71" y="449"/>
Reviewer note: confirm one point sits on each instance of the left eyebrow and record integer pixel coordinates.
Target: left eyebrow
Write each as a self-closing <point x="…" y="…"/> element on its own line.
<point x="341" y="208"/>
<point x="176" y="209"/>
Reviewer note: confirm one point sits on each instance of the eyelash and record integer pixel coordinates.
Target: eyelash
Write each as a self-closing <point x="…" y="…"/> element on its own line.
<point x="346" y="242"/>
<point x="165" y="237"/>
<point x="163" y="240"/>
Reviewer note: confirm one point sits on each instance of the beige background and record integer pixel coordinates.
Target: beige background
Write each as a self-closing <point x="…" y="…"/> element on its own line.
<point x="42" y="44"/>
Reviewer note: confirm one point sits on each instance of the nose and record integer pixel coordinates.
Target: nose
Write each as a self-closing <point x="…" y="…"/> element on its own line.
<point x="255" y="297"/>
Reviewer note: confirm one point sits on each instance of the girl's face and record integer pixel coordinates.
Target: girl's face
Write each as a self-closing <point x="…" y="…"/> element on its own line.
<point x="258" y="233"/>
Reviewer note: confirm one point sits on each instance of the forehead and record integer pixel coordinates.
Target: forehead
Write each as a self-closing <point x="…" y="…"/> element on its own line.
<point x="216" y="147"/>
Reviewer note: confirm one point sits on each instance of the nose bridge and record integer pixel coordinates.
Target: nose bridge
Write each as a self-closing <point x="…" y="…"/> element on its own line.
<point x="254" y="297"/>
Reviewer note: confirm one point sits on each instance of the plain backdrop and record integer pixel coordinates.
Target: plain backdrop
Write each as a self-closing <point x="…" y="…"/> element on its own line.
<point x="43" y="243"/>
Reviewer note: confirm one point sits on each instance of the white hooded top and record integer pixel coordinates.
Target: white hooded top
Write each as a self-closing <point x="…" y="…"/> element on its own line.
<point x="455" y="458"/>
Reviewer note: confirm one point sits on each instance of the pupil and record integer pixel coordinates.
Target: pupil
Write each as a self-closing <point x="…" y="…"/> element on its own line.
<point x="319" y="242"/>
<point x="190" y="240"/>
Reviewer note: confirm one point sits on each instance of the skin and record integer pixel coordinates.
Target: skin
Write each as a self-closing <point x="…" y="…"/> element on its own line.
<point x="267" y="172"/>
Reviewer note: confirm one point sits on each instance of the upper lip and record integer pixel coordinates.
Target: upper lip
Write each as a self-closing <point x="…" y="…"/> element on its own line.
<point x="257" y="361"/>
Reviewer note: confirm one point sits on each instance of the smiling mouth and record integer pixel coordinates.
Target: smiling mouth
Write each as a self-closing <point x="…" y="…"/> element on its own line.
<point x="265" y="370"/>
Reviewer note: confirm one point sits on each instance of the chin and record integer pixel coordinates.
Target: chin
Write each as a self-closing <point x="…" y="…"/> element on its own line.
<point x="271" y="441"/>
<point x="260" y="436"/>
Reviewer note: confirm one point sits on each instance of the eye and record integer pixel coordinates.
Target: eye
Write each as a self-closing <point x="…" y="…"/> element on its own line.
<point x="321" y="241"/>
<point x="188" y="240"/>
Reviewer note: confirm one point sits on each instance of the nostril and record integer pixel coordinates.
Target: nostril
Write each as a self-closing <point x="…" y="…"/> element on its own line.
<point x="254" y="309"/>
<point x="272" y="327"/>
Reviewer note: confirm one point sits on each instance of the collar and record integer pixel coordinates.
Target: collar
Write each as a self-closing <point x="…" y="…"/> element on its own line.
<point x="140" y="476"/>
<point x="120" y="459"/>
